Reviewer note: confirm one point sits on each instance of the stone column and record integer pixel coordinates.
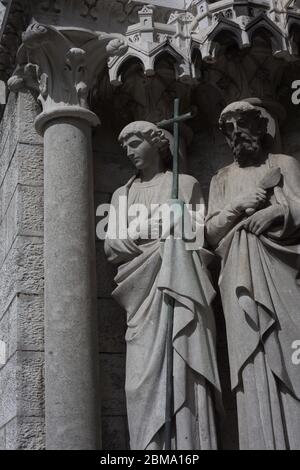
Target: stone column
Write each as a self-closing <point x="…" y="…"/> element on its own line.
<point x="71" y="354"/>
<point x="63" y="74"/>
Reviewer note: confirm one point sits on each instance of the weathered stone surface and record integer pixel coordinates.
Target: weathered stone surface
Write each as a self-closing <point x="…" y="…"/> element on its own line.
<point x="5" y="336"/>
<point x="9" y="184"/>
<point x="3" y="352"/>
<point x="25" y="433"/>
<point x="2" y="439"/>
<point x="22" y="386"/>
<point x="30" y="211"/>
<point x="30" y="164"/>
<point x="22" y="326"/>
<point x="30" y="383"/>
<point x="28" y="109"/>
<point x="5" y="160"/>
<point x="24" y="216"/>
<point x="115" y="433"/>
<point x="72" y="402"/>
<point x="8" y="119"/>
<point x="30" y="315"/>
<point x="1" y="202"/>
<point x="22" y="271"/>
<point x="17" y="128"/>
<point x="18" y="132"/>
<point x="26" y="168"/>
<point x="29" y="257"/>
<point x="2" y="244"/>
<point x="8" y="387"/>
<point x="21" y="274"/>
<point x="8" y="133"/>
<point x="112" y="368"/>
<point x="10" y="222"/>
<point x="112" y="327"/>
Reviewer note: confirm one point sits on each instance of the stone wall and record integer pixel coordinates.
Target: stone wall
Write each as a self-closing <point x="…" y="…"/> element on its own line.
<point x="21" y="277"/>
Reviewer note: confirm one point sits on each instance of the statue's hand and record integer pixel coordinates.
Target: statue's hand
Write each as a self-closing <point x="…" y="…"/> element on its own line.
<point x="262" y="220"/>
<point x="250" y="200"/>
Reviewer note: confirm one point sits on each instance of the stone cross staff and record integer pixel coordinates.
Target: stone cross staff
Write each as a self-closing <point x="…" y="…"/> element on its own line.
<point x="175" y="191"/>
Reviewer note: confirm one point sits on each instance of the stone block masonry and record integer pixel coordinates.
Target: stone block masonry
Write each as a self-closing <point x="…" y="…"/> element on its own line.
<point x="21" y="277"/>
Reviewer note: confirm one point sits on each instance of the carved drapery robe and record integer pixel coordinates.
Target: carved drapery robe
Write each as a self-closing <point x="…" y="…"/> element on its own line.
<point x="261" y="298"/>
<point x="144" y="279"/>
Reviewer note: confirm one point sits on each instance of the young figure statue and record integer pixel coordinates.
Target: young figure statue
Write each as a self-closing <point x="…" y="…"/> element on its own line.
<point x="254" y="225"/>
<point x="145" y="281"/>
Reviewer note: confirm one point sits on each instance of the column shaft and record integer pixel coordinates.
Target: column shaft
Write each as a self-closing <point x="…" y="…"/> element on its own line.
<point x="71" y="353"/>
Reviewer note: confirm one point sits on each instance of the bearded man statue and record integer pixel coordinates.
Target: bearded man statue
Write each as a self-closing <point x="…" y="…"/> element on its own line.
<point x="253" y="224"/>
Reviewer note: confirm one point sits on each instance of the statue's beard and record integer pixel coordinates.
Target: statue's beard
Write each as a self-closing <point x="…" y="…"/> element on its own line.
<point x="246" y="149"/>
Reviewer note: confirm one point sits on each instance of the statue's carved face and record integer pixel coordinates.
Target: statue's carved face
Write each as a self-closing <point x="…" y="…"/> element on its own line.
<point x="141" y="153"/>
<point x="244" y="131"/>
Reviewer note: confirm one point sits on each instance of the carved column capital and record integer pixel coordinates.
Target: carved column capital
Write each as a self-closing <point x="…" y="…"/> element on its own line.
<point x="61" y="66"/>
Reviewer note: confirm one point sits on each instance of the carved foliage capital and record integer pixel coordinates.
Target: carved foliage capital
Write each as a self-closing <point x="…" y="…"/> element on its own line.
<point x="61" y="66"/>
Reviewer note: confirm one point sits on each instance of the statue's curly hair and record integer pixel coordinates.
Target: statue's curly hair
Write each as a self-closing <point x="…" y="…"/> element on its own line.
<point x="153" y="135"/>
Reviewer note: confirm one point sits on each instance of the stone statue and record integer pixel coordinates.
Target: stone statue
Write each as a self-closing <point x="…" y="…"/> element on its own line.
<point x="144" y="281"/>
<point x="254" y="225"/>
